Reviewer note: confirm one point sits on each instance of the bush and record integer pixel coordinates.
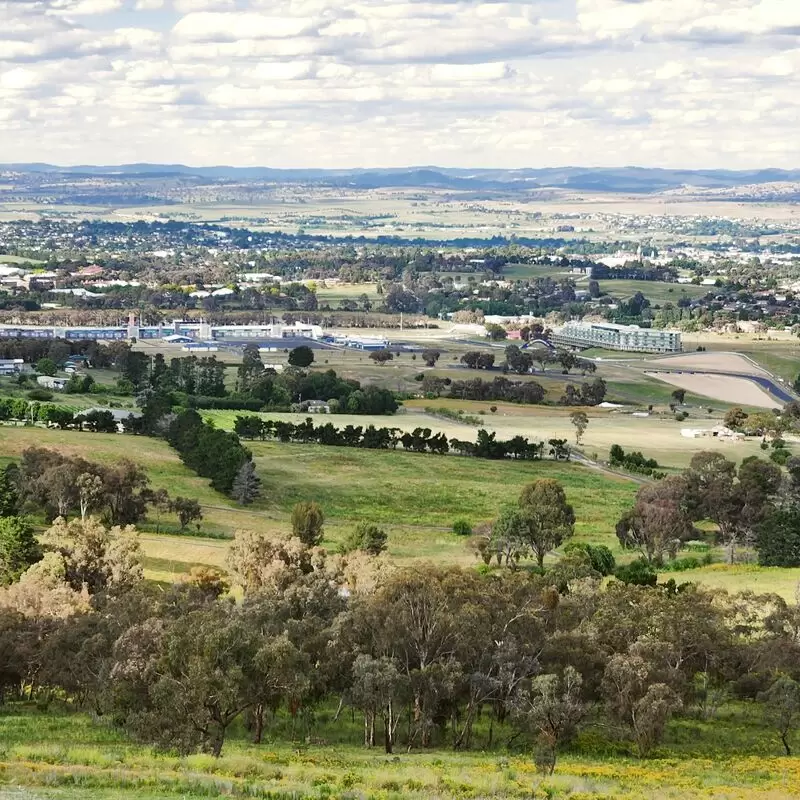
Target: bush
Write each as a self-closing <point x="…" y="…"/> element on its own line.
<point x="462" y="528"/>
<point x="689" y="562"/>
<point x="750" y="685"/>
<point x="367" y="537"/>
<point x="637" y="573"/>
<point x="779" y="457"/>
<point x="600" y="557"/>
<point x="39" y="394"/>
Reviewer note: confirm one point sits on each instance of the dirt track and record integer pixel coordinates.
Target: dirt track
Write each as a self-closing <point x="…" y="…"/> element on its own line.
<point x="728" y="389"/>
<point x="716" y="362"/>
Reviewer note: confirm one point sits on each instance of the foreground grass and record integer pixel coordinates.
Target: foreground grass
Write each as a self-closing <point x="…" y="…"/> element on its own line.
<point x="67" y="755"/>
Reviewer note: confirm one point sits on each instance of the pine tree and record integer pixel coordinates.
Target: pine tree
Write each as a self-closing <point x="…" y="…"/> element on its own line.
<point x="18" y="548"/>
<point x="246" y="485"/>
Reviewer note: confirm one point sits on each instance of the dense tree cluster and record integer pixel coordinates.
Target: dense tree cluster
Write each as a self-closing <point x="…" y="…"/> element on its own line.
<point x="50" y="484"/>
<point x="294" y="386"/>
<point x="634" y="461"/>
<point x="57" y="350"/>
<point x="421" y="653"/>
<point x="753" y="505"/>
<point x="587" y="394"/>
<point x="501" y="389"/>
<point x="208" y="451"/>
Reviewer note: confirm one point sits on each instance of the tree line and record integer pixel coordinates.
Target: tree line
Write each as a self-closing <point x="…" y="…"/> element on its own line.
<point x="422" y="654"/>
<point x="200" y="383"/>
<point x="96" y="420"/>
<point x="214" y="454"/>
<point x="504" y="390"/>
<point x="420" y="440"/>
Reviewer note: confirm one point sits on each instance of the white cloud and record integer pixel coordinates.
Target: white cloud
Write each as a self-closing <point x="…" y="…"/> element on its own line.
<point x="84" y="7"/>
<point x="392" y="82"/>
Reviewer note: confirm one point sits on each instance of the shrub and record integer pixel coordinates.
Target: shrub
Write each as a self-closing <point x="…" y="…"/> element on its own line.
<point x="637" y="573"/>
<point x="779" y="457"/>
<point x="600" y="557"/>
<point x="42" y="394"/>
<point x="682" y="564"/>
<point x="462" y="528"/>
<point x="367" y="537"/>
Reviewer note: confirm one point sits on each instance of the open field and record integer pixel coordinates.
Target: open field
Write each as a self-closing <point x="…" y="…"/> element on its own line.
<point x="657" y="292"/>
<point x="415" y="497"/>
<point x="7" y="259"/>
<point x="336" y="292"/>
<point x="720" y="387"/>
<point x="62" y="754"/>
<point x="434" y="213"/>
<point x="428" y="492"/>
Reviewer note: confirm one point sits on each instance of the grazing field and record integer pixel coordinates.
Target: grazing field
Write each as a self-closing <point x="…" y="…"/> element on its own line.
<point x="418" y="497"/>
<point x="336" y="292"/>
<point x="782" y="581"/>
<point x="727" y="389"/>
<point x="7" y="259"/>
<point x="62" y="754"/>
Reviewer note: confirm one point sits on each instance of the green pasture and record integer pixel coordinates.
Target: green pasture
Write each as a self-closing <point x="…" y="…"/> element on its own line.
<point x="336" y="292"/>
<point x="657" y="292"/>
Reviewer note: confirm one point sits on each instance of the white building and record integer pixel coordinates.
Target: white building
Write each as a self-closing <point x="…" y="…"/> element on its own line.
<point x="627" y="338"/>
<point x="51" y="383"/>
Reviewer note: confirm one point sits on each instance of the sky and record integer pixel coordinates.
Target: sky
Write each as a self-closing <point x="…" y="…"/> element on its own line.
<point x="389" y="83"/>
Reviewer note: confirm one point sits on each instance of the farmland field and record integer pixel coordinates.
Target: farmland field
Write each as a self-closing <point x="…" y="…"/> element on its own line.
<point x="657" y="435"/>
<point x="336" y="292"/>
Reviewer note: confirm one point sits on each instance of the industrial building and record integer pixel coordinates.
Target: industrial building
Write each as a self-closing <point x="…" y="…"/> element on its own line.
<point x="177" y="331"/>
<point x="627" y="338"/>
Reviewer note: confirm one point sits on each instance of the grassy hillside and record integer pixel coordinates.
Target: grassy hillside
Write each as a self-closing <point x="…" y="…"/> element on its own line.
<point x="415" y="497"/>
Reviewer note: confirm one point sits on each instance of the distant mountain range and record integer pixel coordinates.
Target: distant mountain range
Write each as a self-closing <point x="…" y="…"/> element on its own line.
<point x="617" y="179"/>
